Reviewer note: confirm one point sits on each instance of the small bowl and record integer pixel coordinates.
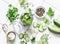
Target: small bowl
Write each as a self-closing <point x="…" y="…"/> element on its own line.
<point x="39" y="17"/>
<point x="24" y="23"/>
<point x="12" y="33"/>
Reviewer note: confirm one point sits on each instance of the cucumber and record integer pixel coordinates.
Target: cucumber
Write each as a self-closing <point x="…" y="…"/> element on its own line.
<point x="57" y="22"/>
<point x="41" y="29"/>
<point x="21" y="36"/>
<point x="26" y="37"/>
<point x="54" y="29"/>
<point x="23" y="42"/>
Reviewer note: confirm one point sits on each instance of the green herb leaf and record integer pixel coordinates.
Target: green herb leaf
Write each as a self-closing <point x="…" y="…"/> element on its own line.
<point x="9" y="38"/>
<point x="33" y="39"/>
<point x="45" y="20"/>
<point x="12" y="13"/>
<point x="50" y="12"/>
<point x="29" y="10"/>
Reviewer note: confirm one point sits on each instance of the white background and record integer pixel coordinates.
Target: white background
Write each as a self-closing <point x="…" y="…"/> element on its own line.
<point x="55" y="4"/>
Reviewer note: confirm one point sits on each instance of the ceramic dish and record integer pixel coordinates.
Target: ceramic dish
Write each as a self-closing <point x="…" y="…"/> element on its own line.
<point x="11" y="36"/>
<point x="40" y="17"/>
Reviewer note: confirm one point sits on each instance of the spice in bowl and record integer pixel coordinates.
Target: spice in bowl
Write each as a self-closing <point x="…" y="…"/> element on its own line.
<point x="40" y="11"/>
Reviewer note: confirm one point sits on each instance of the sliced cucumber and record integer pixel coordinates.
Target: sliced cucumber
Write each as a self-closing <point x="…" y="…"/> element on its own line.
<point x="23" y="42"/>
<point x="21" y="36"/>
<point x="10" y="39"/>
<point x="26" y="37"/>
<point x="37" y="24"/>
<point x="40" y="29"/>
<point x="44" y="26"/>
<point x="54" y="29"/>
<point x="57" y="22"/>
<point x="45" y="20"/>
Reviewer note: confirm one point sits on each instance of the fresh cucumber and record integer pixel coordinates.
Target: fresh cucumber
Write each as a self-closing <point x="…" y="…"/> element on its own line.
<point x="42" y="27"/>
<point x="21" y="36"/>
<point x="23" y="42"/>
<point x="45" y="20"/>
<point x="54" y="29"/>
<point x="26" y="37"/>
<point x="57" y="22"/>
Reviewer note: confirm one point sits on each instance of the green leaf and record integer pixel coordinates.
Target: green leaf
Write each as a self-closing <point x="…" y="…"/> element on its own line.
<point x="12" y="13"/>
<point x="10" y="38"/>
<point x="50" y="12"/>
<point x="45" y="20"/>
<point x="33" y="39"/>
<point x="29" y="10"/>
